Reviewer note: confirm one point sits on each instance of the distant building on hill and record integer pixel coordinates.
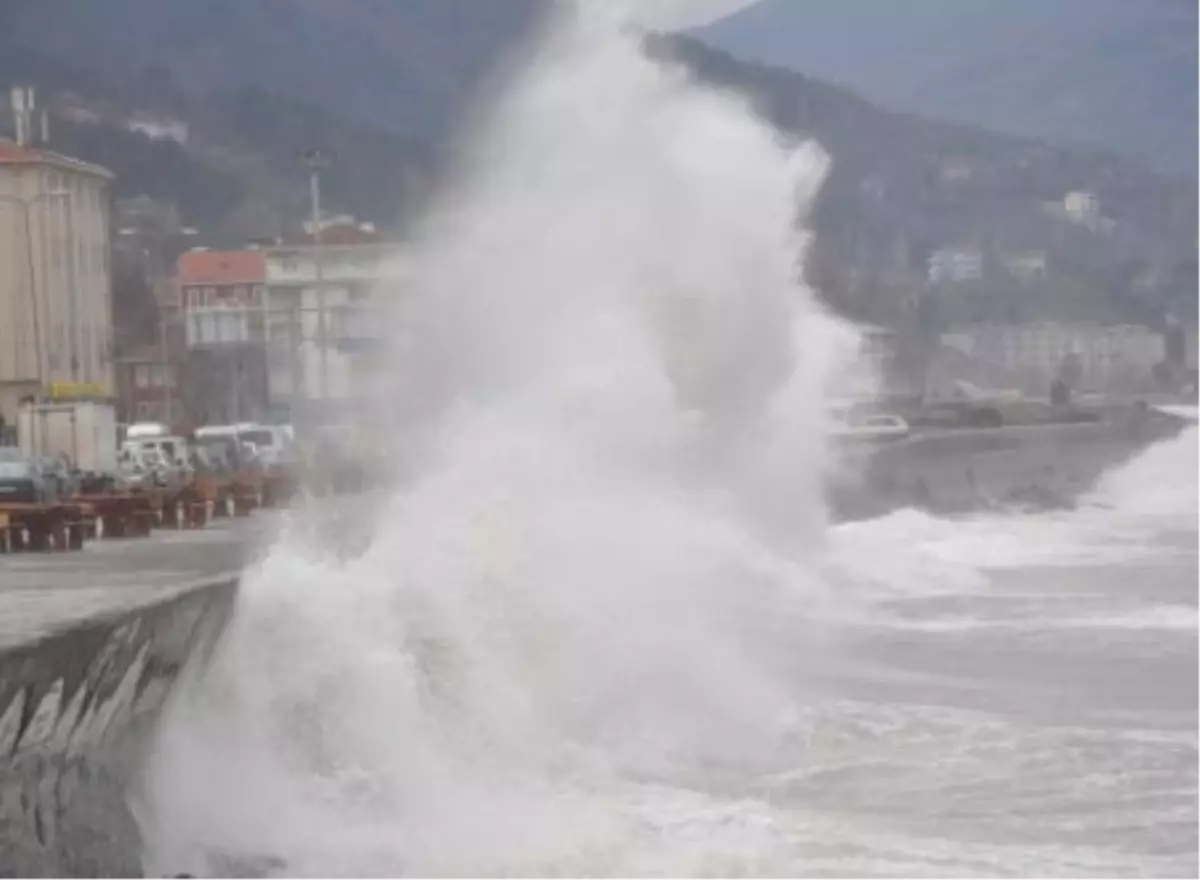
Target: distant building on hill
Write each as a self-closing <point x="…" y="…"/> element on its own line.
<point x="1082" y="206"/>
<point x="949" y="265"/>
<point x="1032" y="356"/>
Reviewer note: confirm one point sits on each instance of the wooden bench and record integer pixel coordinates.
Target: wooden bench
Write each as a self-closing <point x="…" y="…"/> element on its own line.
<point x="246" y="492"/>
<point x="186" y="511"/>
<point x="117" y="515"/>
<point x="44" y="527"/>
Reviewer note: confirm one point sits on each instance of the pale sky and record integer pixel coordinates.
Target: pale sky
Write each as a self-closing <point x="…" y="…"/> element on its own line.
<point x="672" y="15"/>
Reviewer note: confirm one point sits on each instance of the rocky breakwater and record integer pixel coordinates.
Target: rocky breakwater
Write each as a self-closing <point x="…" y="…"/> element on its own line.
<point x="85" y="672"/>
<point x="951" y="471"/>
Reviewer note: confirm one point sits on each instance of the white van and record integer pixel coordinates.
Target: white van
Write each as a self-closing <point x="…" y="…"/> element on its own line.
<point x="271" y="442"/>
<point x="154" y="435"/>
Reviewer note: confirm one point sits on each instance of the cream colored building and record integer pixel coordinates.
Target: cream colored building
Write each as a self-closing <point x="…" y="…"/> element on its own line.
<point x="55" y="279"/>
<point x="1030" y="356"/>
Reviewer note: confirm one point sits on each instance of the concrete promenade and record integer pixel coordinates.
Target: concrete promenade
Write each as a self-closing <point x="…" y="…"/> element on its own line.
<point x="42" y="593"/>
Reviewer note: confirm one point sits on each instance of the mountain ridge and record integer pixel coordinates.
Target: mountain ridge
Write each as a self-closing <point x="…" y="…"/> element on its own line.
<point x="1113" y="75"/>
<point x="901" y="186"/>
<point x="402" y="66"/>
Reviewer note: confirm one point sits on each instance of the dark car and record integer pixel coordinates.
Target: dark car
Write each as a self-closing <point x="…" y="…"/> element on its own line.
<point x="22" y="481"/>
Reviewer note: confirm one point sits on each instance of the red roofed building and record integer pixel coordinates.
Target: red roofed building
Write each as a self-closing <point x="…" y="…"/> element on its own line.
<point x="220" y="328"/>
<point x="223" y="268"/>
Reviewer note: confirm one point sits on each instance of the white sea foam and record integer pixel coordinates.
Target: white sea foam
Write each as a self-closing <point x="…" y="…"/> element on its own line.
<point x="607" y="542"/>
<point x="1162" y="485"/>
<point x="609" y="519"/>
<point x="1123" y="519"/>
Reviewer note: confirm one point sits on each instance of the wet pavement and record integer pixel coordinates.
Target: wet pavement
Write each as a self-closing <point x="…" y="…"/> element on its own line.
<point x="44" y="593"/>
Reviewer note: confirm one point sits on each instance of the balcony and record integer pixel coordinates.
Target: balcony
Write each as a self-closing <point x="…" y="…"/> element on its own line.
<point x="224" y="326"/>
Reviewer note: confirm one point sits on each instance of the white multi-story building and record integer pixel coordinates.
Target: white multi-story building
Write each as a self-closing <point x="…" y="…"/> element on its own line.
<point x="314" y="360"/>
<point x="1031" y="356"/>
<point x="55" y="279"/>
<point x="1026" y="265"/>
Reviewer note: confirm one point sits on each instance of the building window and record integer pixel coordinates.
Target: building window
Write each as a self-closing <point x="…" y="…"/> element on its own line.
<point x="147" y="376"/>
<point x="148" y="410"/>
<point x="279" y="352"/>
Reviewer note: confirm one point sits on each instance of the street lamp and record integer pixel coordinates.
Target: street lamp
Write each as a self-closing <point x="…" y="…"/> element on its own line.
<point x="25" y="206"/>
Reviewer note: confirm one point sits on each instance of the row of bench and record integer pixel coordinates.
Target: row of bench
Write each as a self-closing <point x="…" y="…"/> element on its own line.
<point x="68" y="524"/>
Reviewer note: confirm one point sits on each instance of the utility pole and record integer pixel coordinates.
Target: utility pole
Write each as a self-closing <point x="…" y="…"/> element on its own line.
<point x="316" y="161"/>
<point x="168" y="368"/>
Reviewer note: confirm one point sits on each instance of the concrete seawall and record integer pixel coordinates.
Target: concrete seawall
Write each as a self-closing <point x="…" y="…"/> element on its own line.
<point x="77" y="707"/>
<point x="962" y="471"/>
<point x="91" y="643"/>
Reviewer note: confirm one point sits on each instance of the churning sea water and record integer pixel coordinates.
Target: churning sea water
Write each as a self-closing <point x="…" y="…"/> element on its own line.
<point x="602" y="623"/>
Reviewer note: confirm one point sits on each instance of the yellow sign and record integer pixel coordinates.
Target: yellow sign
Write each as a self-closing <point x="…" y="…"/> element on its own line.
<point x="76" y="390"/>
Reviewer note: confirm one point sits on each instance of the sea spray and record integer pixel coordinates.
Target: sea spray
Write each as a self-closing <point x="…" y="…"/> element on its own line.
<point x="608" y="388"/>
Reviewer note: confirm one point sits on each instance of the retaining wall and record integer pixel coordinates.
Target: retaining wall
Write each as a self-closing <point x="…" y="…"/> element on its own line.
<point x="77" y="708"/>
<point x="963" y="471"/>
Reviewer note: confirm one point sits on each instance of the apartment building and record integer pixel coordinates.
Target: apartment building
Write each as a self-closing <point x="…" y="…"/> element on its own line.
<point x="220" y="325"/>
<point x="280" y="330"/>
<point x="55" y="279"/>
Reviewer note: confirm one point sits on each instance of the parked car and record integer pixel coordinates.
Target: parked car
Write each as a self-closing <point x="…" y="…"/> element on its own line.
<point x="22" y="481"/>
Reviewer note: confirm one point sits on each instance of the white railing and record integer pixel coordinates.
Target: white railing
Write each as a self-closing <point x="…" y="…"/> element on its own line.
<point x="348" y="326"/>
<point x="218" y="326"/>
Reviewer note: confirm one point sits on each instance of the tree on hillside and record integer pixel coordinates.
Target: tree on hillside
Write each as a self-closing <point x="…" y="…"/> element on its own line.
<point x="135" y="311"/>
